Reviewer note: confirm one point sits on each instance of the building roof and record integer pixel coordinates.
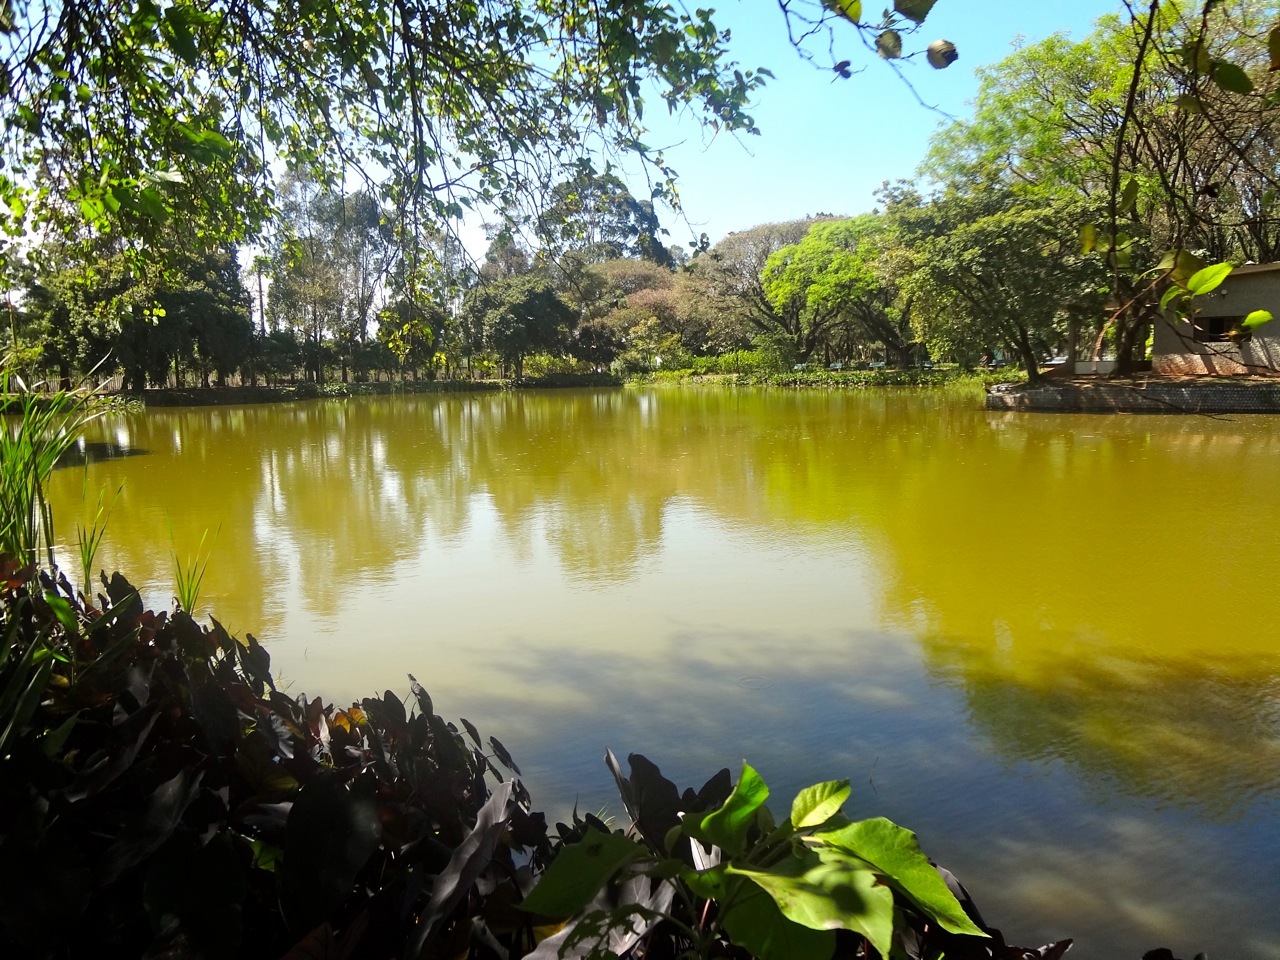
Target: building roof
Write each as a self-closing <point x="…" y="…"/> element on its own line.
<point x="1255" y="268"/>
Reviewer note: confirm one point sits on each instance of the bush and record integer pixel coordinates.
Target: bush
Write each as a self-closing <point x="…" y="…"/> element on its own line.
<point x="161" y="797"/>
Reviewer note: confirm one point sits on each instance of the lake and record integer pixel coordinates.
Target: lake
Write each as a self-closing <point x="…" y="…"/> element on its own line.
<point x="1049" y="644"/>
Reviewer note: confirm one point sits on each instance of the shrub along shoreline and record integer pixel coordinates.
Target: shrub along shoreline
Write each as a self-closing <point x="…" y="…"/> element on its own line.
<point x="817" y="379"/>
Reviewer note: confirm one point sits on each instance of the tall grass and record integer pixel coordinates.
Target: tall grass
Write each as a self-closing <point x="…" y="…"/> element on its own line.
<point x="89" y="539"/>
<point x="189" y="576"/>
<point x="38" y="426"/>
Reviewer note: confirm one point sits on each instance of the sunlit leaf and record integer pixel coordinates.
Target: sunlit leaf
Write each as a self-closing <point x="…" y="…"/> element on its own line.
<point x="895" y="851"/>
<point x="755" y="923"/>
<point x="1128" y="196"/>
<point x="1256" y="319"/>
<point x="827" y="889"/>
<point x="728" y="826"/>
<point x="851" y="10"/>
<point x="1088" y="238"/>
<point x="1202" y="281"/>
<point x="814" y="806"/>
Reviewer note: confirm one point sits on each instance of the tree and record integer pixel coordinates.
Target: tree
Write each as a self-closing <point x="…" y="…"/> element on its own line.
<point x="130" y="115"/>
<point x="516" y="317"/>
<point x="330" y="266"/>
<point x="1164" y="123"/>
<point x="731" y="277"/>
<point x="835" y="280"/>
<point x="207" y="307"/>
<point x="1000" y="274"/>
<point x="592" y="217"/>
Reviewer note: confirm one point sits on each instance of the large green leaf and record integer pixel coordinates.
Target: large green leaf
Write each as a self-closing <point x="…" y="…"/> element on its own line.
<point x="1202" y="281"/>
<point x="895" y="852"/>
<point x="814" y="806"/>
<point x="579" y="871"/>
<point x="727" y="827"/>
<point x="828" y="889"/>
<point x="755" y="923"/>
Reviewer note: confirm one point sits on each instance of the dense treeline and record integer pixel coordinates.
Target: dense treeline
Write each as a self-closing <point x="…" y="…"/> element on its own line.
<point x="1035" y="228"/>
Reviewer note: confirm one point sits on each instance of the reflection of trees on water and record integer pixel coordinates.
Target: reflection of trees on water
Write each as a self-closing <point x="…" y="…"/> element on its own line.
<point x="1104" y="599"/>
<point x="1182" y="733"/>
<point x="984" y="534"/>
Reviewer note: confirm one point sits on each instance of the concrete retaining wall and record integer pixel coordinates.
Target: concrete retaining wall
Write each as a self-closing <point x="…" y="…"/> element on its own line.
<point x="1139" y="396"/>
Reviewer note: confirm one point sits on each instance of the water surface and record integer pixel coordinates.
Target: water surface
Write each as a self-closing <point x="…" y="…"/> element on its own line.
<point x="1046" y="643"/>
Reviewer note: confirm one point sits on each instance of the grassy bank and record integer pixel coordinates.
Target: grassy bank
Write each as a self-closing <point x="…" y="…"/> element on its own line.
<point x="817" y="379"/>
<point x="233" y="396"/>
<point x="839" y="380"/>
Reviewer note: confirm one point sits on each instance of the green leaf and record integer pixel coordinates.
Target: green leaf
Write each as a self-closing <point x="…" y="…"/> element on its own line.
<point x="727" y="827"/>
<point x="1173" y="291"/>
<point x="1088" y="238"/>
<point x="889" y="44"/>
<point x="1273" y="48"/>
<point x="53" y="741"/>
<point x="1128" y="196"/>
<point x="1182" y="264"/>
<point x="178" y="19"/>
<point x="1189" y="103"/>
<point x="1202" y="281"/>
<point x="851" y="10"/>
<point x="578" y="872"/>
<point x="1256" y="319"/>
<point x="914" y="10"/>
<point x="755" y="923"/>
<point x="895" y="852"/>
<point x="827" y="889"/>
<point x="1231" y="77"/>
<point x="62" y="610"/>
<point x="814" y="806"/>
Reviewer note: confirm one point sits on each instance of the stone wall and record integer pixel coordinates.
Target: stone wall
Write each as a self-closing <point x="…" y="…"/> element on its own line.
<point x="1139" y="396"/>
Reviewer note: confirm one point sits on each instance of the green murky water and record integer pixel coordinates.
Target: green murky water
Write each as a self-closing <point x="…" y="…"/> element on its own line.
<point x="1050" y="644"/>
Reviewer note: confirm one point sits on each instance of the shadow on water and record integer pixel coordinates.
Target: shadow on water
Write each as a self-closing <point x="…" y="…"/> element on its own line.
<point x="97" y="451"/>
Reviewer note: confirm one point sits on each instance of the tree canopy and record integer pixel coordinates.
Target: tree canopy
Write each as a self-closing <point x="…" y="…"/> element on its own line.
<point x="118" y="117"/>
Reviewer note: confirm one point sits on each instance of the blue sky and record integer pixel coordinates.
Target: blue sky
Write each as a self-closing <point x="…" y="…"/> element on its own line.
<point x="827" y="146"/>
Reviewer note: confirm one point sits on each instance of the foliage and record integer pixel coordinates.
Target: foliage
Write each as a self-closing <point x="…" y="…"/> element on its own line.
<point x="331" y="258"/>
<point x="89" y="539"/>
<point x="838" y="280"/>
<point x="120" y="118"/>
<point x="730" y="278"/>
<point x="517" y="316"/>
<point x="592" y="217"/>
<point x="188" y="575"/>
<point x="712" y="873"/>
<point x="1160" y="128"/>
<point x="39" y="427"/>
<point x="159" y="794"/>
<point x="992" y="272"/>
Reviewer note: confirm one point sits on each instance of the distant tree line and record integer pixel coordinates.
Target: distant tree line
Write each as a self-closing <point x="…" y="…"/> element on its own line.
<point x="1035" y="227"/>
